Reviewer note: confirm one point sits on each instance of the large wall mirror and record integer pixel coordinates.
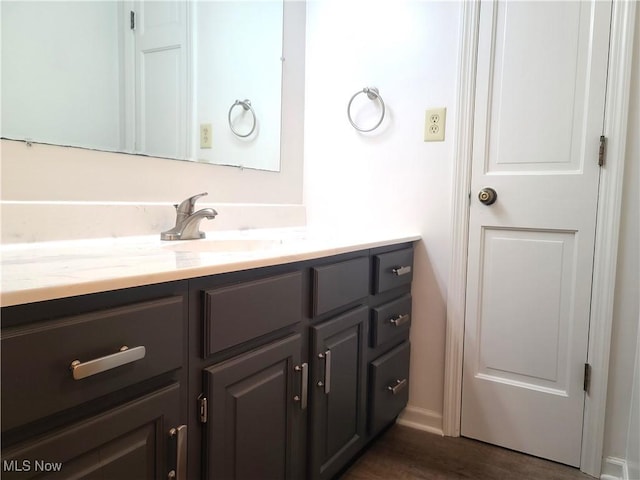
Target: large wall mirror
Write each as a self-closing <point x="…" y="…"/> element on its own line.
<point x="189" y="80"/>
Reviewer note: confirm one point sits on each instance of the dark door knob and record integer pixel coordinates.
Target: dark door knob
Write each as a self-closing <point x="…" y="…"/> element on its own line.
<point x="488" y="196"/>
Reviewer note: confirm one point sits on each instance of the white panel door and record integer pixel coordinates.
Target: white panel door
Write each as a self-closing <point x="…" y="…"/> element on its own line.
<point x="540" y="90"/>
<point x="161" y="78"/>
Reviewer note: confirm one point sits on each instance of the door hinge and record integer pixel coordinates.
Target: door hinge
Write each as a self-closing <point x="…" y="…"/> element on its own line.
<point x="603" y="150"/>
<point x="202" y="400"/>
<point x="132" y="19"/>
<point x="587" y="377"/>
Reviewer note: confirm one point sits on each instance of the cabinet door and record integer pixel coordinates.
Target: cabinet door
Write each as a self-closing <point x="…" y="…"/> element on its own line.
<point x="254" y="414"/>
<point x="338" y="384"/>
<point x="128" y="442"/>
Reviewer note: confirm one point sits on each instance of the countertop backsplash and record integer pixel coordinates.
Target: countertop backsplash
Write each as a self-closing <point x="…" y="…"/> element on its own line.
<point x="39" y="221"/>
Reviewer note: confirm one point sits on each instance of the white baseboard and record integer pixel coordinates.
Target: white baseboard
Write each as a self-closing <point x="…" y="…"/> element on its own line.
<point x="614" y="468"/>
<point x="421" y="419"/>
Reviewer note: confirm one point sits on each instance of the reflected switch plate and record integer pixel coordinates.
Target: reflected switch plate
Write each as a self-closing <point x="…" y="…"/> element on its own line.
<point x="205" y="135"/>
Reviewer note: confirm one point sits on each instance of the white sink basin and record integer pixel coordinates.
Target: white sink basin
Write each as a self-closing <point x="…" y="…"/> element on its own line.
<point x="224" y="245"/>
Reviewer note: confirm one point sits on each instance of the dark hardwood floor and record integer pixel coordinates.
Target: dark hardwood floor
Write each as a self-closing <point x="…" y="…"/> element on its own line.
<point x="404" y="453"/>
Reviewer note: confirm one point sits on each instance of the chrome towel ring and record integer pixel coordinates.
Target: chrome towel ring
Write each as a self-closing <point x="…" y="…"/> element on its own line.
<point x="372" y="93"/>
<point x="246" y="105"/>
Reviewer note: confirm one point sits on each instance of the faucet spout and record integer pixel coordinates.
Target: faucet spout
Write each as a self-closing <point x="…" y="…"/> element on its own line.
<point x="191" y="227"/>
<point x="188" y="222"/>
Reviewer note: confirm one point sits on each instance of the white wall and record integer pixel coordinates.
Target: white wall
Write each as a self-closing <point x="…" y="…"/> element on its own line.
<point x="389" y="178"/>
<point x="623" y="418"/>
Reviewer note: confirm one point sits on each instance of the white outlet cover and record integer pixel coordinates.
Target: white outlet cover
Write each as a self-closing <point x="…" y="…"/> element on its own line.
<point x="434" y="124"/>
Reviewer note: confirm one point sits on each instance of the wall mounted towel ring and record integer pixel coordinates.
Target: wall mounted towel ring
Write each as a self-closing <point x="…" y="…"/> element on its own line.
<point x="372" y="93"/>
<point x="246" y="105"/>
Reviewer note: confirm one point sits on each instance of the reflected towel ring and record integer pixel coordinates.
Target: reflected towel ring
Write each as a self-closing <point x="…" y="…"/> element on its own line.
<point x="372" y="93"/>
<point x="246" y="105"/>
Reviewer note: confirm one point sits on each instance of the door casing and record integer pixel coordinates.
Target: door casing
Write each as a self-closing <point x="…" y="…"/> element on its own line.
<point x="607" y="230"/>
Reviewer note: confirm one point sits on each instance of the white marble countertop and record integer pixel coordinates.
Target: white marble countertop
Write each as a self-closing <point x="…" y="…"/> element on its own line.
<point x="44" y="271"/>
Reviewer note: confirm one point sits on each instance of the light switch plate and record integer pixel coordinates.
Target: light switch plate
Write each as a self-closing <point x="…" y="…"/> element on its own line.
<point x="205" y="135"/>
<point x="434" y="124"/>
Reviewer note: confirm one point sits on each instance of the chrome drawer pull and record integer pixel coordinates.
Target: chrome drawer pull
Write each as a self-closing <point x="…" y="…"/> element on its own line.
<point x="304" y="368"/>
<point x="400" y="320"/>
<point x="400" y="384"/>
<point x="180" y="434"/>
<point x="401" y="270"/>
<point x="126" y="355"/>
<point x="327" y="371"/>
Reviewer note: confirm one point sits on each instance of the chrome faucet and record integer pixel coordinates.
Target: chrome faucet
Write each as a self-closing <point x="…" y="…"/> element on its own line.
<point x="187" y="221"/>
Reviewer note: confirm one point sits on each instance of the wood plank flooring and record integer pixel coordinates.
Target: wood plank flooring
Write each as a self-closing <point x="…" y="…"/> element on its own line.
<point x="404" y="453"/>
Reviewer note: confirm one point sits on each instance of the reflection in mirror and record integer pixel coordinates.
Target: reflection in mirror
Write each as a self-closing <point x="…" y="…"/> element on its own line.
<point x="78" y="74"/>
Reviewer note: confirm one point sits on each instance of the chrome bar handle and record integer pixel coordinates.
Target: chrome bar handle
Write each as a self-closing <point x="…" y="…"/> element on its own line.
<point x="304" y="381"/>
<point x="180" y="434"/>
<point x="327" y="372"/>
<point x="398" y="271"/>
<point x="126" y="355"/>
<point x="400" y="319"/>
<point x="400" y="384"/>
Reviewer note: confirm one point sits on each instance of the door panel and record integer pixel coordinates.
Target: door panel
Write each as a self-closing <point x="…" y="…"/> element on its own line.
<point x="161" y="78"/>
<point x="129" y="441"/>
<point x="339" y="411"/>
<point x="253" y="419"/>
<point x="537" y="88"/>
<point x="526" y="297"/>
<point x="540" y="90"/>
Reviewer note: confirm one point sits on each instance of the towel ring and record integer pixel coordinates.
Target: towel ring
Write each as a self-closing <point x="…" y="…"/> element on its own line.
<point x="372" y="93"/>
<point x="246" y="105"/>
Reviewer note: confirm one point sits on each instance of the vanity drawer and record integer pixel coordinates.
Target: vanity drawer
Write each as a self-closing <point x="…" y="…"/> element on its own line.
<point x="340" y="284"/>
<point x="238" y="313"/>
<point x="391" y="320"/>
<point x="389" y="376"/>
<point x="393" y="269"/>
<point x="37" y="379"/>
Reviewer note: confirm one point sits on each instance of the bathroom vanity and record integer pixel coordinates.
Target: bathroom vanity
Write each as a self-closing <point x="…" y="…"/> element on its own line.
<point x="277" y="362"/>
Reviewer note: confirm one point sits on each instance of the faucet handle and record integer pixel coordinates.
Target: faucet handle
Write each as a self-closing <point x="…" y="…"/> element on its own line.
<point x="188" y="205"/>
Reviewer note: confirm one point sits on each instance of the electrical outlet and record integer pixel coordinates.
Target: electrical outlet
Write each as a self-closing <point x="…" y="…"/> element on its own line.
<point x="205" y="135"/>
<point x="434" y="124"/>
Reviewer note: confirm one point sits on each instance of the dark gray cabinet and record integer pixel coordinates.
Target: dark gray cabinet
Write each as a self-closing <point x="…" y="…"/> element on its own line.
<point x="338" y="401"/>
<point x="254" y="405"/>
<point x="389" y="386"/>
<point x="131" y="441"/>
<point x="95" y="386"/>
<point x="389" y="352"/>
<point x="37" y="356"/>
<point x="282" y="372"/>
<point x="237" y="313"/>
